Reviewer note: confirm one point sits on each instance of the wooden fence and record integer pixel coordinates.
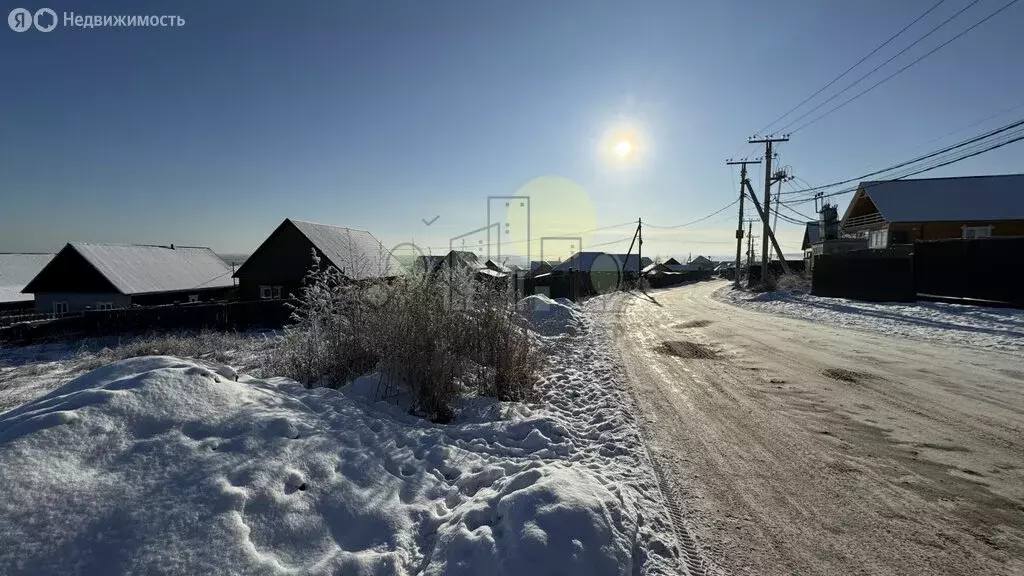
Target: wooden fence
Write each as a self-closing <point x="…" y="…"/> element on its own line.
<point x="213" y="316"/>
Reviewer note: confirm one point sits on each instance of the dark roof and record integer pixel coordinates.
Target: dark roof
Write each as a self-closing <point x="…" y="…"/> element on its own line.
<point x="601" y="261"/>
<point x="136" y="269"/>
<point x="961" y="199"/>
<point x="497" y="267"/>
<point x="812" y="234"/>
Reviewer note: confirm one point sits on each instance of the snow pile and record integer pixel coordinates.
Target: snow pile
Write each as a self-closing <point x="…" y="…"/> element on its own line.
<point x="551" y="317"/>
<point x="956" y="324"/>
<point x="171" y="466"/>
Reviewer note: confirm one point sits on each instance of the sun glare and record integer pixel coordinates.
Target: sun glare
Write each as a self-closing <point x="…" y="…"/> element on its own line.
<point x="623" y="148"/>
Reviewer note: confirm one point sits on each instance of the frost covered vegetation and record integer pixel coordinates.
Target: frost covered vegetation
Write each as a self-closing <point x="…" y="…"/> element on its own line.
<point x="439" y="337"/>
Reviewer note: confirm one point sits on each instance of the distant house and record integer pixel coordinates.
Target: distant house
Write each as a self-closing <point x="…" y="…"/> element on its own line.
<point x="701" y="263"/>
<point x="893" y="212"/>
<point x="278" y="267"/>
<point x="105" y="276"/>
<point x="427" y="264"/>
<point x="497" y="267"/>
<point x="16" y="271"/>
<point x="601" y="262"/>
<point x="538" y="267"/>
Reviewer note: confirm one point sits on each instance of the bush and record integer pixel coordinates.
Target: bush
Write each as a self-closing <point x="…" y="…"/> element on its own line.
<point x="794" y="283"/>
<point x="438" y="335"/>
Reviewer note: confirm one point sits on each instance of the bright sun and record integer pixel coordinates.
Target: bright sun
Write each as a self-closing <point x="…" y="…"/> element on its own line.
<point x="623" y="148"/>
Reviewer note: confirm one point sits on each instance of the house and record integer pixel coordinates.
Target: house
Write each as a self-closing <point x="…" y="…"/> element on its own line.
<point x="538" y="267"/>
<point x="701" y="263"/>
<point x="16" y="271"/>
<point x="427" y="264"/>
<point x="601" y="262"/>
<point x="894" y="212"/>
<point x="278" y="267"/>
<point x="105" y="276"/>
<point x="497" y="267"/>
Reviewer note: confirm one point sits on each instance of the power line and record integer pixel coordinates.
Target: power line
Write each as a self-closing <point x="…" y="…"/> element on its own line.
<point x="977" y="150"/>
<point x="915" y="160"/>
<point x="715" y="213"/>
<point x="850" y="69"/>
<point x="901" y="70"/>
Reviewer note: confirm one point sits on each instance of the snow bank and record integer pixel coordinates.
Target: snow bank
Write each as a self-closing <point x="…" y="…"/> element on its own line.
<point x="163" y="465"/>
<point x="956" y="324"/>
<point x="550" y="317"/>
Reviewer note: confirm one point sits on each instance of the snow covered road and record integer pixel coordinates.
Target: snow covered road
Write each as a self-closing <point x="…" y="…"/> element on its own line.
<point x="812" y="448"/>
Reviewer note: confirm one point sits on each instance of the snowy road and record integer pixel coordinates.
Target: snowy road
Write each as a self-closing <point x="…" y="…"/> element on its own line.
<point x="803" y="448"/>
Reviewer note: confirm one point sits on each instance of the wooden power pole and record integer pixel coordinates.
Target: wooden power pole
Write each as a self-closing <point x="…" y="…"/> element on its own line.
<point x="739" y="227"/>
<point x="767" y="198"/>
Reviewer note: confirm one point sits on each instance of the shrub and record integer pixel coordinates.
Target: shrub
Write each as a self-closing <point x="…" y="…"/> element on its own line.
<point x="438" y="335"/>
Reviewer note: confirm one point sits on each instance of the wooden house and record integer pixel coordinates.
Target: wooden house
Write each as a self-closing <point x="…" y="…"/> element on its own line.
<point x="895" y="212"/>
<point x="279" y="266"/>
<point x="86" y="276"/>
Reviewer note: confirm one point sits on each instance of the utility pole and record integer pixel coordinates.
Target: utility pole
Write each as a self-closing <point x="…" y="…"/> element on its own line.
<point x="739" y="226"/>
<point x="750" y="246"/>
<point x="639" y="248"/>
<point x="771" y="236"/>
<point x="767" y="197"/>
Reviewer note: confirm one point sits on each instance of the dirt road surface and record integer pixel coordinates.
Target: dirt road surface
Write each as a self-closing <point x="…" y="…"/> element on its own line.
<point x="799" y="448"/>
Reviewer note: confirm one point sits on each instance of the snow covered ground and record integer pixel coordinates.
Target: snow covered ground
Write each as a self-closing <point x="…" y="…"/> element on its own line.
<point x="164" y="465"/>
<point x="960" y="325"/>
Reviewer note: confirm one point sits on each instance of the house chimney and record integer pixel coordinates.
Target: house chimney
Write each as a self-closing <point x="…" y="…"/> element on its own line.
<point x="172" y="245"/>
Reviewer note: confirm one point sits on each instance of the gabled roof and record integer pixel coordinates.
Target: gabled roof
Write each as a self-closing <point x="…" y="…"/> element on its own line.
<point x="701" y="261"/>
<point x="461" y="258"/>
<point x="136" y="269"/>
<point x="600" y="261"/>
<point x="428" y="263"/>
<point x="969" y="198"/>
<point x="497" y="267"/>
<point x="16" y="271"/>
<point x="356" y="253"/>
<point x="812" y="234"/>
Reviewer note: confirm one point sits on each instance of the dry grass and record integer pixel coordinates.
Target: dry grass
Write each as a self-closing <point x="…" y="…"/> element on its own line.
<point x="440" y="336"/>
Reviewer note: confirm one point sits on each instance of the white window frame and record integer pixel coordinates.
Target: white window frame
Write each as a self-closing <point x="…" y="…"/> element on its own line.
<point x="60" y="307"/>
<point x="972" y="232"/>
<point x="193" y="298"/>
<point x="270" y="292"/>
<point x="276" y="292"/>
<point x="104" y="305"/>
<point x="878" y="238"/>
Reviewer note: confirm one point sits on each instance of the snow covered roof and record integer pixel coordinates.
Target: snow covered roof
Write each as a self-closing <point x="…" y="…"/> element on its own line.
<point x="356" y="253"/>
<point x="599" y="261"/>
<point x="701" y="261"/>
<point x="497" y="267"/>
<point x="134" y="269"/>
<point x="970" y="198"/>
<point x="16" y="271"/>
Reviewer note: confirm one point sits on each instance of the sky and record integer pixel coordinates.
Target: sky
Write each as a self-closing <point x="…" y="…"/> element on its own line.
<point x="384" y="114"/>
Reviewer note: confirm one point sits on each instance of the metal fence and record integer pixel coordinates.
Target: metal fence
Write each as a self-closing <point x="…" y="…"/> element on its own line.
<point x="870" y="275"/>
<point x="974" y="269"/>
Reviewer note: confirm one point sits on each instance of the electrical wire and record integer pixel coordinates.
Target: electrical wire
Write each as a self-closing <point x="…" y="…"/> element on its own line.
<point x="900" y="71"/>
<point x="715" y="213"/>
<point x="939" y="152"/>
<point x="976" y="150"/>
<point x="850" y="69"/>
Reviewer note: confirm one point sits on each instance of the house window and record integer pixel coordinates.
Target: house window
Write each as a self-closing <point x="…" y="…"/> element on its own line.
<point x="60" y="307"/>
<point x="192" y="298"/>
<point x="270" y="292"/>
<point x="104" y="305"/>
<point x="971" y="232"/>
<point x="878" y="239"/>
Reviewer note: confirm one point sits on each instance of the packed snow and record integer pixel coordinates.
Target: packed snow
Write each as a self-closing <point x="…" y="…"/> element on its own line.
<point x="165" y="465"/>
<point x="957" y="324"/>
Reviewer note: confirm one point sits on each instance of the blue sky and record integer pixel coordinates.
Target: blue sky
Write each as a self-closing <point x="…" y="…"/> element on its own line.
<point x="377" y="114"/>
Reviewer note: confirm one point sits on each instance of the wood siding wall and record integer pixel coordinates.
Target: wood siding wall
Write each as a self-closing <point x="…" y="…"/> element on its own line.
<point x="947" y="230"/>
<point x="282" y="260"/>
